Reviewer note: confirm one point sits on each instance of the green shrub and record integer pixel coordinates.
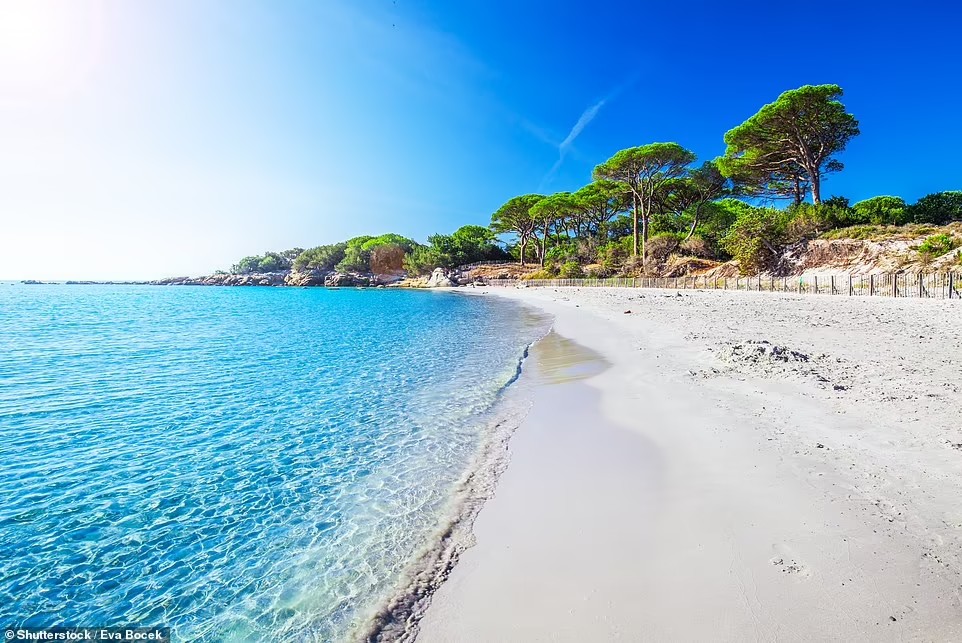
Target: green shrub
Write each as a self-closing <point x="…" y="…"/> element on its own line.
<point x="937" y="245"/>
<point x="755" y="238"/>
<point x="571" y="270"/>
<point x="938" y="208"/>
<point x="697" y="246"/>
<point x="562" y="253"/>
<point x="596" y="271"/>
<point x="267" y="262"/>
<point x="422" y="260"/>
<point x="879" y="232"/>
<point x="321" y="257"/>
<point x="807" y="221"/>
<point x="881" y="210"/>
<point x="613" y="254"/>
<point x="540" y="274"/>
<point x="661" y="246"/>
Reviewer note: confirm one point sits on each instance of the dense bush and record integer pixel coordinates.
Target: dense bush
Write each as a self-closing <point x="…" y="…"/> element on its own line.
<point x="697" y="246"/>
<point x="879" y="232"/>
<point x="754" y="239"/>
<point x="357" y="253"/>
<point x="571" y="270"/>
<point x="613" y="254"/>
<point x="267" y="262"/>
<point x="938" y="208"/>
<point x="424" y="259"/>
<point x="937" y="245"/>
<point x="807" y="221"/>
<point x="541" y="274"/>
<point x="468" y="244"/>
<point x="564" y="252"/>
<point x="707" y="229"/>
<point x="321" y="257"/>
<point x="596" y="271"/>
<point x="661" y="246"/>
<point x="881" y="210"/>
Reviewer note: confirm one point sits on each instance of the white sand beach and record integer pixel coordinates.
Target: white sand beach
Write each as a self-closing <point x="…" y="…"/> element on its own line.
<point x="725" y="466"/>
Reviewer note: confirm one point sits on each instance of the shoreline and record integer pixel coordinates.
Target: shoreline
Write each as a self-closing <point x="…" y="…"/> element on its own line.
<point x="398" y="616"/>
<point x="786" y="495"/>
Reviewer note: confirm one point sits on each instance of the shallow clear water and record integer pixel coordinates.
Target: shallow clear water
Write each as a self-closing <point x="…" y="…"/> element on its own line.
<point x="235" y="463"/>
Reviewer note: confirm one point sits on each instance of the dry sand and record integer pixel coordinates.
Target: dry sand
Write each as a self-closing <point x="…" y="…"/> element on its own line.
<point x="680" y="479"/>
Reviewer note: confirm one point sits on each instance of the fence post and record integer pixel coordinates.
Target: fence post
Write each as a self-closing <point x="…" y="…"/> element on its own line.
<point x="895" y="285"/>
<point x="871" y="285"/>
<point x="951" y="284"/>
<point x="816" y="284"/>
<point x="850" y="285"/>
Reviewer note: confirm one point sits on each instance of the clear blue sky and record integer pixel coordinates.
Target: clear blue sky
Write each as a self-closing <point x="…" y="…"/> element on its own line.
<point x="145" y="139"/>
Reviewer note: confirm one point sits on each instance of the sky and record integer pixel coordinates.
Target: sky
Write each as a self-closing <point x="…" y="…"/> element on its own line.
<point x="172" y="137"/>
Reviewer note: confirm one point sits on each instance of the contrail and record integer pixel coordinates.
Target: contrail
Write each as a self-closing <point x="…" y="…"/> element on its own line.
<point x="586" y="117"/>
<point x="583" y="121"/>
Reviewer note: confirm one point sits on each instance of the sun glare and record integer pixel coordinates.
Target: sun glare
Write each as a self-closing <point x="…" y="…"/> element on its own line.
<point x="45" y="45"/>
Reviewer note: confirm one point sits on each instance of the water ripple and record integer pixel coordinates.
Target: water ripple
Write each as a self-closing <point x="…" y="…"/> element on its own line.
<point x="234" y="463"/>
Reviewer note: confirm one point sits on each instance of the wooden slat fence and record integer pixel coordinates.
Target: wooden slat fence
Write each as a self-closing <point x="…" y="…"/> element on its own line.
<point x="943" y="285"/>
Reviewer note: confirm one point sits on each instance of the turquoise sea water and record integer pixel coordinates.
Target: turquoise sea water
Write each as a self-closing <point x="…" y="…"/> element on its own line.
<point x="238" y="464"/>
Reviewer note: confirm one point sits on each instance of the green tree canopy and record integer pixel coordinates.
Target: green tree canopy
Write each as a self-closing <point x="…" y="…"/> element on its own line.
<point x="321" y="257"/>
<point x="689" y="194"/>
<point x="881" y="210"/>
<point x="792" y="140"/>
<point x="597" y="203"/>
<point x="267" y="262"/>
<point x="549" y="214"/>
<point x="646" y="172"/>
<point x="514" y="217"/>
<point x="357" y="253"/>
<point x="938" y="208"/>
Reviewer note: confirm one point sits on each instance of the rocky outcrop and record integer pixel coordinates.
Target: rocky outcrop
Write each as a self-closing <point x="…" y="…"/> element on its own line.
<point x="439" y="279"/>
<point x="342" y="279"/>
<point x="305" y="278"/>
<point x="389" y="279"/>
<point x="223" y="279"/>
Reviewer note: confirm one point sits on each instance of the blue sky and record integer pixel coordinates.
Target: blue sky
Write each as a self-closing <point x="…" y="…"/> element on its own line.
<point x="147" y="139"/>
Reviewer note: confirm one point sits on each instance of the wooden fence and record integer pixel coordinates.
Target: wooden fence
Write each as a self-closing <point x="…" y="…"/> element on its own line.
<point x="943" y="285"/>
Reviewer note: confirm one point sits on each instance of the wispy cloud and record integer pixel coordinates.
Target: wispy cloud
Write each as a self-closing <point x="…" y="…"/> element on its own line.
<point x="588" y="115"/>
<point x="564" y="146"/>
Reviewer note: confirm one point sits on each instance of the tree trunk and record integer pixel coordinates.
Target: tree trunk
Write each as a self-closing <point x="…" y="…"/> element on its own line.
<point x="522" y="244"/>
<point x="544" y="243"/>
<point x="816" y="187"/>
<point x="798" y="190"/>
<point x="644" y="240"/>
<point x="694" y="223"/>
<point x="634" y="223"/>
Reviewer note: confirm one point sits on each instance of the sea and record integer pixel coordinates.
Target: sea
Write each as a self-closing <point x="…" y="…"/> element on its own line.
<point x="239" y="464"/>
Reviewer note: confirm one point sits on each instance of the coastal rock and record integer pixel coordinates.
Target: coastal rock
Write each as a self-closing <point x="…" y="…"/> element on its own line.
<point x="305" y="278"/>
<point x="388" y="279"/>
<point x="439" y="279"/>
<point x="341" y="280"/>
<point x="225" y="279"/>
